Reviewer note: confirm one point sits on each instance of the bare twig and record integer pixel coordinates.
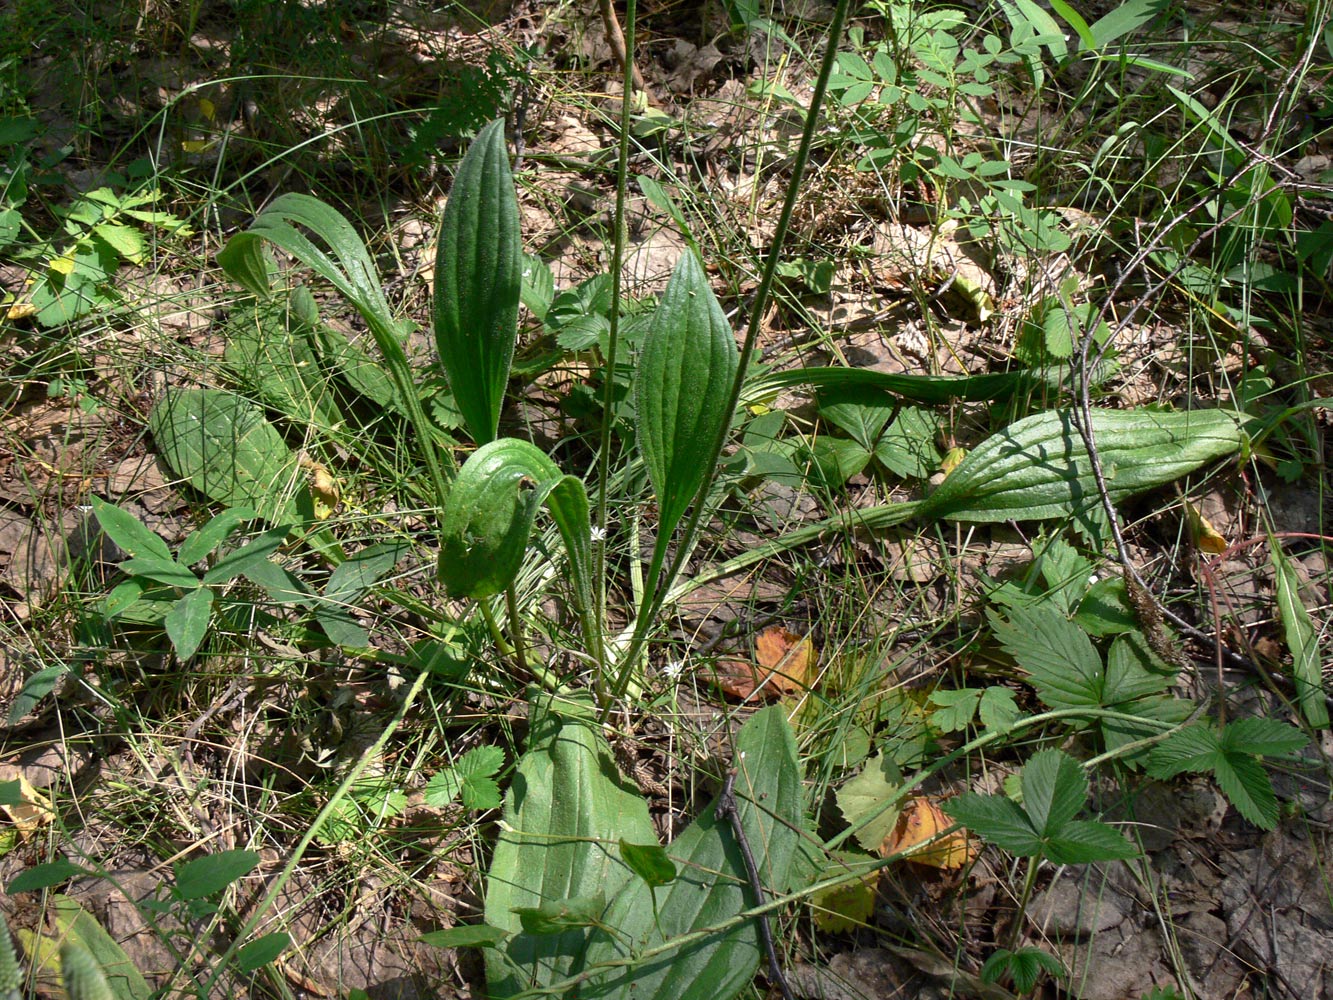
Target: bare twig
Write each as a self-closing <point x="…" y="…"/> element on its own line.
<point x="616" y="38"/>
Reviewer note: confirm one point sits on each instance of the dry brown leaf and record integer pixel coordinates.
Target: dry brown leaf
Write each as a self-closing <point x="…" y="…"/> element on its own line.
<point x="920" y="820"/>
<point x="785" y="663"/>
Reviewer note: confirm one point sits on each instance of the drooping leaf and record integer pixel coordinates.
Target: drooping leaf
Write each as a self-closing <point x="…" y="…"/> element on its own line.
<point x="1039" y="466"/>
<point x="259" y="952"/>
<point x="1302" y="640"/>
<point x="564" y="814"/>
<point x="226" y="448"/>
<point x="711" y="886"/>
<point x="685" y="371"/>
<point x="465" y="936"/>
<point x="487" y="521"/>
<point x="648" y="861"/>
<point x="478" y="280"/>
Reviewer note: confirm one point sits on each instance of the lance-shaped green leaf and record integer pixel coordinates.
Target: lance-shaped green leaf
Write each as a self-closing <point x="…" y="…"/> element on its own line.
<point x="711" y="887"/>
<point x="487" y="521"/>
<point x="1039" y="466"/>
<point x="564" y="816"/>
<point x="478" y="281"/>
<point x="685" y="371"/>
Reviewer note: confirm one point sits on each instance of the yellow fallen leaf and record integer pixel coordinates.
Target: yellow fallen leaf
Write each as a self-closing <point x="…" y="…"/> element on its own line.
<point x="920" y="820"/>
<point x="952" y="459"/>
<point x="62" y="265"/>
<point x="207" y="108"/>
<point x="324" y="488"/>
<point x="1205" y="537"/>
<point x="21" y="310"/>
<point x="845" y="907"/>
<point x="32" y="811"/>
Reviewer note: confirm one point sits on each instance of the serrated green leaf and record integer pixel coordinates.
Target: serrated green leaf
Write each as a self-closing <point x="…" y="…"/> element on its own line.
<point x="998" y="710"/>
<point x="955" y="708"/>
<point x="1245" y="784"/>
<point x="1302" y="640"/>
<point x="867" y="797"/>
<point x="478" y="282"/>
<point x="1263" y="736"/>
<point x="996" y="819"/>
<point x="226" y="448"/>
<point x="1065" y="667"/>
<point x="1079" y="842"/>
<point x="1054" y="790"/>
<point x="682" y="383"/>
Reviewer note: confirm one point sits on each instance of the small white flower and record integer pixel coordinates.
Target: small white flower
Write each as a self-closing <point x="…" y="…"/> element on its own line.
<point x="672" y="669"/>
<point x="1092" y="580"/>
<point x="598" y="534"/>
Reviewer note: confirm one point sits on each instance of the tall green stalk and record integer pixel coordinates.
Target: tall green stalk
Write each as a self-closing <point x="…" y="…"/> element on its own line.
<point x="656" y="590"/>
<point x="613" y="345"/>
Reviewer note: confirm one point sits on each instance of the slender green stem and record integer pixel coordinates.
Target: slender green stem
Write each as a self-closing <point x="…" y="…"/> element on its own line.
<point x="516" y="629"/>
<point x="280" y="883"/>
<point x="613" y="339"/>
<point x="658" y="588"/>
<point x="1029" y="880"/>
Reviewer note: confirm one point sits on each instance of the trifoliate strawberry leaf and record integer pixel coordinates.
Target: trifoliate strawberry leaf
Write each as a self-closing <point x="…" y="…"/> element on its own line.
<point x="1262" y="736"/>
<point x="998" y="710"/>
<point x="1064" y="665"/>
<point x="997" y="819"/>
<point x="954" y="709"/>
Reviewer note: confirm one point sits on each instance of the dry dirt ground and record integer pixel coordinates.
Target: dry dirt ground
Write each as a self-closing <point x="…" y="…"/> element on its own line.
<point x="1240" y="912"/>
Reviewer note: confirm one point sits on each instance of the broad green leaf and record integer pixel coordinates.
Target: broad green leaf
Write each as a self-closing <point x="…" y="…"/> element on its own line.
<point x="128" y="532"/>
<point x="261" y="951"/>
<point x="920" y="388"/>
<point x="167" y="571"/>
<point x="1039" y="467"/>
<point x="45" y="875"/>
<point x="198" y="544"/>
<point x="711" y="886"/>
<point x="1302" y="639"/>
<point x="256" y="550"/>
<point x="213" y="872"/>
<point x="82" y="976"/>
<point x="270" y="351"/>
<point x="75" y="925"/>
<point x="1075" y="20"/>
<point x="187" y="622"/>
<point x="1128" y="16"/>
<point x="565" y="813"/>
<point x="478" y="279"/>
<point x="556" y="916"/>
<point x="1200" y="748"/>
<point x="487" y="521"/>
<point x="226" y="448"/>
<point x="1054" y="790"/>
<point x="685" y="371"/>
<point x="35" y="688"/>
